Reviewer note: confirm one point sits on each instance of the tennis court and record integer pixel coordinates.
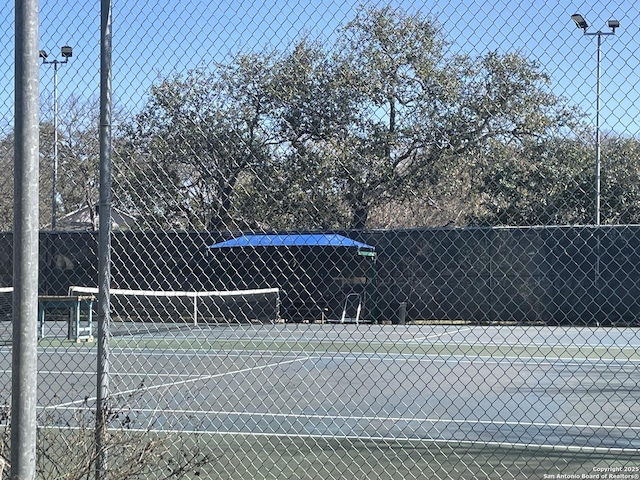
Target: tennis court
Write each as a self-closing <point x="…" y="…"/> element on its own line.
<point x="534" y="386"/>
<point x="513" y="391"/>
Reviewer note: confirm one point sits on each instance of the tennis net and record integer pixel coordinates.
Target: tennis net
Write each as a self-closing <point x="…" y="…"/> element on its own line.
<point x="180" y="307"/>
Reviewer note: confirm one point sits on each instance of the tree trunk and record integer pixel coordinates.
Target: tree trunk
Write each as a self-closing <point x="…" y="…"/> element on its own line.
<point x="360" y="217"/>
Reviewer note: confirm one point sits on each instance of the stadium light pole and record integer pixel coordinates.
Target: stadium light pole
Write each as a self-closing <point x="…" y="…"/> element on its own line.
<point x="67" y="53"/>
<point x="582" y="24"/>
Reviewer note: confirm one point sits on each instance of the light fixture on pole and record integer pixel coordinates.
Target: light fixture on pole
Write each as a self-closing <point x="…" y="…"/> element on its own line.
<point x="583" y="25"/>
<point x="67" y="53"/>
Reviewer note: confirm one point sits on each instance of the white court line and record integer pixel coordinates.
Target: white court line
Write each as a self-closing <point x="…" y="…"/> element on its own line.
<point x="454" y="359"/>
<point x="536" y="361"/>
<point x="400" y="338"/>
<point x="183" y="382"/>
<point x="369" y="418"/>
<point x="440" y="441"/>
<point x="312" y="339"/>
<point x="438" y="335"/>
<point x="540" y="344"/>
<point x="386" y="440"/>
<point x="623" y="363"/>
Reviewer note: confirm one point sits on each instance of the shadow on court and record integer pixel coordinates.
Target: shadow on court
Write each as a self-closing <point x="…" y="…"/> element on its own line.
<point x="319" y="458"/>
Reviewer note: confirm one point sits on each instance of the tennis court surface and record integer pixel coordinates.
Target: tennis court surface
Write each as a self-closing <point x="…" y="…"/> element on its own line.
<point x="517" y="392"/>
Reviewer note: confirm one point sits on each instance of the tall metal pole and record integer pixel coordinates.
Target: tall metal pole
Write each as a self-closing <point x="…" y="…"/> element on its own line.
<point x="582" y="24"/>
<point x="613" y="25"/>
<point x="54" y="179"/>
<point x="104" y="244"/>
<point x="66" y="53"/>
<point x="599" y="34"/>
<point x="25" y="244"/>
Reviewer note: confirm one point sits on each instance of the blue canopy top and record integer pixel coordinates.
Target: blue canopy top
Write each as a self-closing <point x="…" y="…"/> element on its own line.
<point x="293" y="240"/>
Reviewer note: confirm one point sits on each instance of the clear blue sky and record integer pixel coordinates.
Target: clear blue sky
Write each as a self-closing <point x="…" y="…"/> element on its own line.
<point x="154" y="39"/>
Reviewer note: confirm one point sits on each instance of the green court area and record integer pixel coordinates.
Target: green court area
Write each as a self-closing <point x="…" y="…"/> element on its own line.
<point x="585" y="352"/>
<point x="535" y="342"/>
<point x="357" y="401"/>
<point x="250" y="457"/>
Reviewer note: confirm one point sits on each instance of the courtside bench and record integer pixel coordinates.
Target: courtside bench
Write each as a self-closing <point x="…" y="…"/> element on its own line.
<point x="80" y="320"/>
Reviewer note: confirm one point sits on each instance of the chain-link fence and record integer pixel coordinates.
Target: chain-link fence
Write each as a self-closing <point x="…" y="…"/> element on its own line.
<point x="349" y="240"/>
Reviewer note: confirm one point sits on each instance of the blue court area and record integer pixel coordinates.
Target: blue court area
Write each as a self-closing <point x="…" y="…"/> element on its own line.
<point x="536" y="387"/>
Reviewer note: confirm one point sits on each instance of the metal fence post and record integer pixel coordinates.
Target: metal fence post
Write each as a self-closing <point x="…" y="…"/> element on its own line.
<point x="104" y="243"/>
<point x="25" y="244"/>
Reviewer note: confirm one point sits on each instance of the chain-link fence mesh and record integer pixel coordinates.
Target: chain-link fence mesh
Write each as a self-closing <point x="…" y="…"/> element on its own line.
<point x="350" y="240"/>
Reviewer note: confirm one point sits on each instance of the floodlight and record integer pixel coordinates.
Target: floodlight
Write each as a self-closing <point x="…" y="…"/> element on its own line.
<point x="582" y="24"/>
<point x="67" y="53"/>
<point x="580" y="21"/>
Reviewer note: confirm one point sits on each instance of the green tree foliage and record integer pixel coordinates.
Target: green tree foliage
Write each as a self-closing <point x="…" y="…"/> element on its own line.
<point x="300" y="186"/>
<point x="552" y="182"/>
<point x="79" y="153"/>
<point x="620" y="177"/>
<point x="392" y="113"/>
<point x="69" y="180"/>
<point x="387" y="127"/>
<point x="191" y="144"/>
<point x="534" y="183"/>
<point x="359" y="124"/>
